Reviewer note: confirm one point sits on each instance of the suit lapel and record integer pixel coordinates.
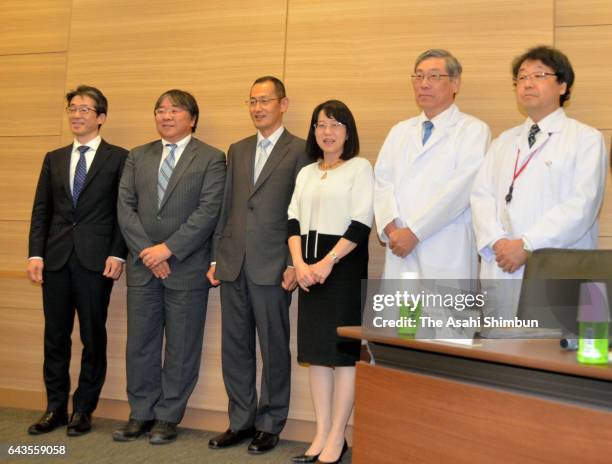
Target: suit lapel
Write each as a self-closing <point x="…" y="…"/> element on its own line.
<point x="65" y="170"/>
<point x="281" y="148"/>
<point x="249" y="160"/>
<point x="187" y="157"/>
<point x="152" y="169"/>
<point x="100" y="158"/>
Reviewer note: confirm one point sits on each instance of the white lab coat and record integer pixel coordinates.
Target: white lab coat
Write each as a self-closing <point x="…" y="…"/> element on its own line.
<point x="427" y="188"/>
<point x="556" y="199"/>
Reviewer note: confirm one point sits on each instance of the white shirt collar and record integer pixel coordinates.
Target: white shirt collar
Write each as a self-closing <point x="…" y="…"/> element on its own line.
<point x="180" y="144"/>
<point x="440" y="120"/>
<point x="273" y="138"/>
<point x="93" y="144"/>
<point x="550" y="123"/>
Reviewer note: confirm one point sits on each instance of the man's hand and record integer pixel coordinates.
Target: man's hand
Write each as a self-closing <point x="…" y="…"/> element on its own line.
<point x="162" y="270"/>
<point x="402" y="241"/>
<point x="113" y="268"/>
<point x="321" y="269"/>
<point x="35" y="270"/>
<point x="211" y="275"/>
<point x="289" y="279"/>
<point x="154" y="255"/>
<point x="510" y="254"/>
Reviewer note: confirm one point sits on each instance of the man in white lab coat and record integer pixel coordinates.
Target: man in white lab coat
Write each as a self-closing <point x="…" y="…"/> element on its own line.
<point x="542" y="183"/>
<point x="424" y="174"/>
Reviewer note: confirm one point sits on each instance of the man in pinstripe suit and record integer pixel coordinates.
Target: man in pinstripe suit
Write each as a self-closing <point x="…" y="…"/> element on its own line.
<point x="169" y="200"/>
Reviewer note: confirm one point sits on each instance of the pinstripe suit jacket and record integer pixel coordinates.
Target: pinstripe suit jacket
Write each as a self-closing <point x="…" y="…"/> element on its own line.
<point x="186" y="219"/>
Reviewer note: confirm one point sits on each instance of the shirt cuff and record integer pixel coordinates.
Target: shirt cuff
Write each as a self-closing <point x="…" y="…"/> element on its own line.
<point x="116" y="258"/>
<point x="35" y="257"/>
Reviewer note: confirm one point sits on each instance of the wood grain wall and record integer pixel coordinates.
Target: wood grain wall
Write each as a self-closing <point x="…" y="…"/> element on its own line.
<point x="359" y="51"/>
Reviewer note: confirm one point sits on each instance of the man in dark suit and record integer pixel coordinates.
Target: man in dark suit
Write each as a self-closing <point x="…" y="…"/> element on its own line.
<point x="169" y="201"/>
<point x="253" y="265"/>
<point x="76" y="252"/>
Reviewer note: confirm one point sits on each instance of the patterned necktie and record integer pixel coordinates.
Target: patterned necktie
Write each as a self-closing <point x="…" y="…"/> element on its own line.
<point x="164" y="173"/>
<point x="261" y="157"/>
<point x="80" y="173"/>
<point x="427" y="128"/>
<point x="533" y="130"/>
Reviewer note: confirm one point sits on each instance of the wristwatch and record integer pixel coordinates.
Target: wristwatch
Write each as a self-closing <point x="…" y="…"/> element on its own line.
<point x="334" y="257"/>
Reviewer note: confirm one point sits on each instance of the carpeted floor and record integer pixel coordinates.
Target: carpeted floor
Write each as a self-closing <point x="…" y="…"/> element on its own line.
<point x="98" y="446"/>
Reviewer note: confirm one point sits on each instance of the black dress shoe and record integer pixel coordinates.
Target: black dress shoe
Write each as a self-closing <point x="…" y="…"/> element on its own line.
<point x="305" y="458"/>
<point x="132" y="430"/>
<point x="342" y="453"/>
<point x="230" y="438"/>
<point x="80" y="424"/>
<point x="48" y="421"/>
<point x="263" y="442"/>
<point x="163" y="432"/>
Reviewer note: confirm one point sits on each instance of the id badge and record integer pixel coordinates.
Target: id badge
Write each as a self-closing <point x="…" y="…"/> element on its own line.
<point x="506" y="221"/>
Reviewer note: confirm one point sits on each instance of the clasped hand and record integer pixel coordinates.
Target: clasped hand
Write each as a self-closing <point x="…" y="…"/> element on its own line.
<point x="317" y="273"/>
<point x="156" y="259"/>
<point x="510" y="254"/>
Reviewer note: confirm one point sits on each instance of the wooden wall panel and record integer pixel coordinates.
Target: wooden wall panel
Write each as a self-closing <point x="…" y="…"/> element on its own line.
<point x="20" y="162"/>
<point x="363" y="54"/>
<point x="605" y="217"/>
<point x="35" y="26"/>
<point x="31" y="93"/>
<point x="21" y="346"/>
<point x="582" y="12"/>
<point x="587" y="47"/>
<point x="14" y="246"/>
<point x="136" y="50"/>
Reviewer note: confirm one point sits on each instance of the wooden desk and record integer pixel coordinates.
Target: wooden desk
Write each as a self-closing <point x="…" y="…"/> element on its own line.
<point x="502" y="401"/>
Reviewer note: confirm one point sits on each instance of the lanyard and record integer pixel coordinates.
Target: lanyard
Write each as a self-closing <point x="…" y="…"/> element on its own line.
<point x="522" y="168"/>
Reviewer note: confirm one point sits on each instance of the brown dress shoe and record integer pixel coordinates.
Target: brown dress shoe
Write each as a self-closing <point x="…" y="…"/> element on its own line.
<point x="163" y="432"/>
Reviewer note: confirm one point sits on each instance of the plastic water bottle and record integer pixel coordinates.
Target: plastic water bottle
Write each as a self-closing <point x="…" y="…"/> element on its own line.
<point x="593" y="321"/>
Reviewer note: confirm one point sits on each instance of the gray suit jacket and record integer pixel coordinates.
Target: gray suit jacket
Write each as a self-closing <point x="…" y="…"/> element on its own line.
<point x="252" y="228"/>
<point x="186" y="219"/>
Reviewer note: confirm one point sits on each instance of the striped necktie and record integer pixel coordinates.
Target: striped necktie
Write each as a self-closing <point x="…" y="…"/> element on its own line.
<point x="165" y="172"/>
<point x="80" y="174"/>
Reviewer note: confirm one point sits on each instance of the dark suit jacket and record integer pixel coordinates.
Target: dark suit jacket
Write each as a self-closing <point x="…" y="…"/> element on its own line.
<point x="253" y="222"/>
<point x="91" y="228"/>
<point x="186" y="219"/>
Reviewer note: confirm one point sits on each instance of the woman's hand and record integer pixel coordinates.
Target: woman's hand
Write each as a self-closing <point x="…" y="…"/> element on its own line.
<point x="322" y="269"/>
<point x="305" y="277"/>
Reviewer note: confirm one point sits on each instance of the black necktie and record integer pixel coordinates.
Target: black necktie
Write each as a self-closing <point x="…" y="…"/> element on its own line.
<point x="533" y="130"/>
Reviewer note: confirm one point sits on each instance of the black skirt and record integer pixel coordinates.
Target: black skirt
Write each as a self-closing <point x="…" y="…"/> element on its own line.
<point x="327" y="306"/>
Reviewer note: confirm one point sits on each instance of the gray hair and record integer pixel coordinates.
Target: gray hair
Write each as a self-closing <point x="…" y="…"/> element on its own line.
<point x="453" y="67"/>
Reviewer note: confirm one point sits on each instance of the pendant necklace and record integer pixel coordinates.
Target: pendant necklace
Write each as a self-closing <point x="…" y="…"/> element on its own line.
<point x="326" y="167"/>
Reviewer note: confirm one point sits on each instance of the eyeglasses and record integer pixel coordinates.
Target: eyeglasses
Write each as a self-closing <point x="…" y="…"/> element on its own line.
<point x="332" y="125"/>
<point x="170" y="111"/>
<point x="252" y="102"/>
<point x="82" y="110"/>
<point x="534" y="76"/>
<point x="430" y="77"/>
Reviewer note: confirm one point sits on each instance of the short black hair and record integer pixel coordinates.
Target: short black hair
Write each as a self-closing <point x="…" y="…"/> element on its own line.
<point x="279" y="87"/>
<point x="555" y="60"/>
<point x="95" y="94"/>
<point x="182" y="99"/>
<point x="340" y="112"/>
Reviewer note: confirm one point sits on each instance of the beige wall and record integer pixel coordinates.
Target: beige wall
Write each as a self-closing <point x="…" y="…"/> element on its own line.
<point x="359" y="51"/>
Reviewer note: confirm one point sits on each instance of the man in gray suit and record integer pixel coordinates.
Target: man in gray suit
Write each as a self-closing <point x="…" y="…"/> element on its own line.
<point x="252" y="263"/>
<point x="169" y="201"/>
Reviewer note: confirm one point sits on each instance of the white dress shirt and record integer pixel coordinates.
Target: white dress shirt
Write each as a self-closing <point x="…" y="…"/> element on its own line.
<point x="180" y="148"/>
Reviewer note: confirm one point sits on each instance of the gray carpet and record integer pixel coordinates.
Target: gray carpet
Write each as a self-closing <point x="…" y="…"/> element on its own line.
<point x="98" y="446"/>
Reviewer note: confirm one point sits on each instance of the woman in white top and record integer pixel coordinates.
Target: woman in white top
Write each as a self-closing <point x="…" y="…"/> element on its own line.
<point x="330" y="217"/>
